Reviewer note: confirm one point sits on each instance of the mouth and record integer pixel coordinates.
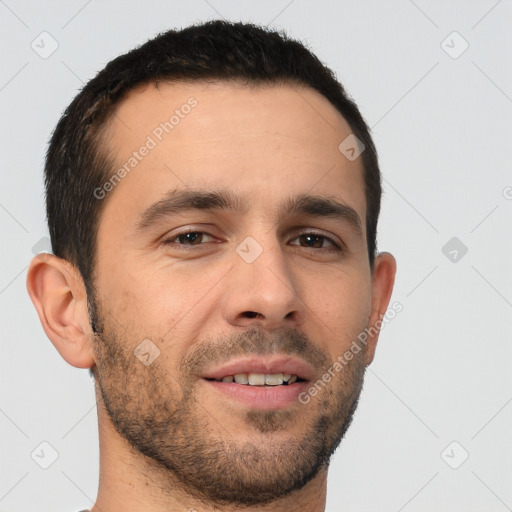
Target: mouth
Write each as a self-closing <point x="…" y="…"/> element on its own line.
<point x="277" y="370"/>
<point x="260" y="379"/>
<point x="259" y="391"/>
<point x="261" y="383"/>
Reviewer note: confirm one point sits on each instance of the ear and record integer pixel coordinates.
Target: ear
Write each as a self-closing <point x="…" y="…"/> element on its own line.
<point x="58" y="292"/>
<point x="383" y="279"/>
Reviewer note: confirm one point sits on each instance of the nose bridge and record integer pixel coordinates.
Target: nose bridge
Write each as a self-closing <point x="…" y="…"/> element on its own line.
<point x="264" y="289"/>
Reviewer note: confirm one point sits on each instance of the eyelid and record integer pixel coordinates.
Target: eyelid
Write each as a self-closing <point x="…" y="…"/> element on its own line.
<point x="167" y="239"/>
<point x="312" y="231"/>
<point x="337" y="244"/>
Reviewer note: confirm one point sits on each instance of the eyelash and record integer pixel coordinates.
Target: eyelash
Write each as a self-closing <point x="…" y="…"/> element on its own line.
<point x="187" y="247"/>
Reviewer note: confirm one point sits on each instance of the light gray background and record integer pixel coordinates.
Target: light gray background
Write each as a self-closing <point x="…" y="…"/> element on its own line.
<point x="442" y="128"/>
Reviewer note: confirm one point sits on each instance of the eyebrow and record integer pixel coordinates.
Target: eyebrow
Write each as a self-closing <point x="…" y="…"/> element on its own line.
<point x="178" y="201"/>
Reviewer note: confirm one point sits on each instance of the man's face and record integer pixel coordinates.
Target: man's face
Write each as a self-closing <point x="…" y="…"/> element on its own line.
<point x="215" y="295"/>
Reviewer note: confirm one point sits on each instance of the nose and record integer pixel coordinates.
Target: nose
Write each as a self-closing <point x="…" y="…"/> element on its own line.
<point x="264" y="291"/>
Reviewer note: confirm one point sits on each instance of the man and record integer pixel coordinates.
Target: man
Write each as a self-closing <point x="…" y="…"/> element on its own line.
<point x="212" y="200"/>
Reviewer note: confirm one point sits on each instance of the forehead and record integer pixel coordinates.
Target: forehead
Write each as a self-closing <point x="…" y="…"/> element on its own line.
<point x="265" y="143"/>
<point x="231" y="109"/>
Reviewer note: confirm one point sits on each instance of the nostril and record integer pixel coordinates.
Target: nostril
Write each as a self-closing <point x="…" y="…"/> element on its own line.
<point x="251" y="314"/>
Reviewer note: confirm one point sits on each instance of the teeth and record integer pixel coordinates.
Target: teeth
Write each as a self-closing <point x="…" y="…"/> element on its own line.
<point x="257" y="379"/>
<point x="241" y="378"/>
<point x="274" y="379"/>
<point x="260" y="379"/>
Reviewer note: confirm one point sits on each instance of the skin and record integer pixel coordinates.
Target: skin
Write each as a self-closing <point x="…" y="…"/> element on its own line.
<point x="166" y="441"/>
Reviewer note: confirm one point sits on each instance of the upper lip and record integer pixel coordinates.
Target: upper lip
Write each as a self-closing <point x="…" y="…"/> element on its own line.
<point x="276" y="364"/>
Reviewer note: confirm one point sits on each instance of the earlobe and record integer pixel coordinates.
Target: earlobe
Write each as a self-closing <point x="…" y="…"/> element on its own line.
<point x="58" y="293"/>
<point x="383" y="279"/>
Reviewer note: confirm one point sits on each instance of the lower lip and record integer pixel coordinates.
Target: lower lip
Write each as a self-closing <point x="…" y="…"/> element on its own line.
<point x="260" y="397"/>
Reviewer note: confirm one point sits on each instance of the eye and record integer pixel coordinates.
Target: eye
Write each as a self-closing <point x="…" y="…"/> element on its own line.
<point x="187" y="238"/>
<point x="310" y="240"/>
<point x="316" y="241"/>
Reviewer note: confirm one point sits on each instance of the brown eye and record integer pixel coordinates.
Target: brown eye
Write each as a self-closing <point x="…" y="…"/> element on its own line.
<point x="316" y="241"/>
<point x="193" y="238"/>
<point x="188" y="238"/>
<point x="312" y="240"/>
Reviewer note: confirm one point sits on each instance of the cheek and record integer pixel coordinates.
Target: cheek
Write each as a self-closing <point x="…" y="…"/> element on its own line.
<point x="159" y="303"/>
<point x="341" y="305"/>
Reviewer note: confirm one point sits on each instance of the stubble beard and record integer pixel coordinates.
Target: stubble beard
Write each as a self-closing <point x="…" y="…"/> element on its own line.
<point x="190" y="454"/>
